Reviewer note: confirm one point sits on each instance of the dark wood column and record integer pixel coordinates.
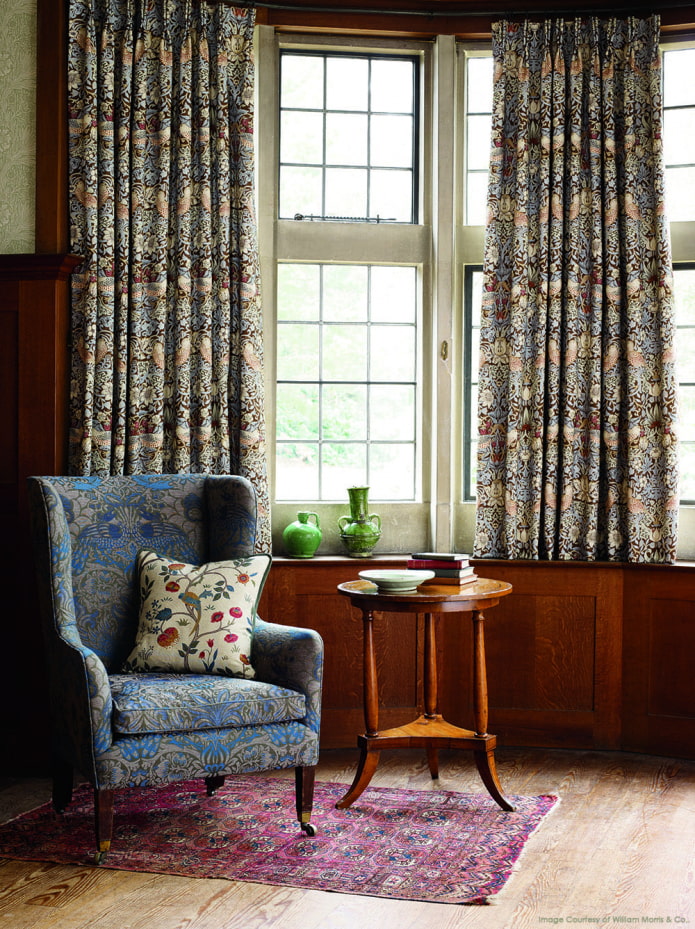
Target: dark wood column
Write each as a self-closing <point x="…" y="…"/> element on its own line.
<point x="33" y="410"/>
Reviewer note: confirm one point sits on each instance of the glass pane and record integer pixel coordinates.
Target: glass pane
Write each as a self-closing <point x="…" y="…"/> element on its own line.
<point x="392" y="413"/>
<point x="476" y="199"/>
<point x="392" y="353"/>
<point x="299" y="289"/>
<point x="393" y="295"/>
<point x="686" y="414"/>
<point x="297" y="471"/>
<point x="473" y="488"/>
<point x="302" y="81"/>
<point x="391" y="141"/>
<point x="297" y="411"/>
<point x="301" y="138"/>
<point x="346" y="192"/>
<point x="679" y="87"/>
<point x="345" y="289"/>
<point x="479" y="73"/>
<point x="685" y="354"/>
<point x="391" y="195"/>
<point x="473" y="445"/>
<point x="392" y="86"/>
<point x="297" y="352"/>
<point x="347" y="84"/>
<point x="684" y="292"/>
<point x="392" y="472"/>
<point x="344" y="412"/>
<point x="300" y="191"/>
<point x="346" y="139"/>
<point x="343" y="466"/>
<point x="679" y="137"/>
<point x="687" y="471"/>
<point x="680" y="194"/>
<point x="478" y="142"/>
<point x="344" y="353"/>
<point x="475" y="354"/>
<point x="476" y="296"/>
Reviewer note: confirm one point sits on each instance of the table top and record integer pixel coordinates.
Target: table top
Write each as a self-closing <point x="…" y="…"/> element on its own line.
<point x="428" y="598"/>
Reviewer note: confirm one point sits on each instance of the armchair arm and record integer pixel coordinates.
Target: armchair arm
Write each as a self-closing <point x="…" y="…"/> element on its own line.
<point x="80" y="694"/>
<point x="291" y="657"/>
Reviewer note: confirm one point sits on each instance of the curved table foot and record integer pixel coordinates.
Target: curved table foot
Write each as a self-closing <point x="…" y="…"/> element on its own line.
<point x="365" y="771"/>
<point x="485" y="762"/>
<point x="433" y="762"/>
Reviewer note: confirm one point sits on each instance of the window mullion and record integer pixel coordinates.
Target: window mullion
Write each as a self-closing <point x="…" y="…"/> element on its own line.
<point x="442" y="408"/>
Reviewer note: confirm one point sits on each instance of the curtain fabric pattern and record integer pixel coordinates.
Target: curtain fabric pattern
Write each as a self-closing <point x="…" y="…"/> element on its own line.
<point x="167" y="350"/>
<point x="577" y="389"/>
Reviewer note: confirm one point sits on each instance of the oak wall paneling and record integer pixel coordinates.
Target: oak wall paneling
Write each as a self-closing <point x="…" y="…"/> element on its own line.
<point x="588" y="656"/>
<point x="33" y="406"/>
<point x="659" y="661"/>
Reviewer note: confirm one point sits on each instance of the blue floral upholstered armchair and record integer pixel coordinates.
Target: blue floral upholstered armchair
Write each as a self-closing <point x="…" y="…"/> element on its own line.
<point x="159" y="668"/>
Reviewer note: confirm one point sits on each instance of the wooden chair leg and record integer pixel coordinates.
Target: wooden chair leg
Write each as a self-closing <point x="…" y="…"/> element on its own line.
<point x="213" y="783"/>
<point x="304" y="787"/>
<point x="62" y="785"/>
<point x="103" y="822"/>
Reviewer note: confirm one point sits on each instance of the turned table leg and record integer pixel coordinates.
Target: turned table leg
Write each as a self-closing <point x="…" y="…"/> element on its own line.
<point x="485" y="758"/>
<point x="368" y="759"/>
<point x="431" y="693"/>
<point x="479" y="675"/>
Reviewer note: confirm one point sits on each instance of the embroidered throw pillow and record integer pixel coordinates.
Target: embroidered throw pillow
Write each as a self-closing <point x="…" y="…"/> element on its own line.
<point x="197" y="618"/>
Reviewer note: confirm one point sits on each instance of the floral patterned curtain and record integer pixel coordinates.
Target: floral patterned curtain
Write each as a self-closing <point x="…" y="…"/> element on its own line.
<point x="166" y="327"/>
<point x="577" y="405"/>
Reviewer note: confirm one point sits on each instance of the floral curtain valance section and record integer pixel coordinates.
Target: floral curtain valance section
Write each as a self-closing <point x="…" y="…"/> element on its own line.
<point x="577" y="398"/>
<point x="167" y="362"/>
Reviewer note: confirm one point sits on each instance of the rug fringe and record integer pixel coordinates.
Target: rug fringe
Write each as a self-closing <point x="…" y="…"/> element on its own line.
<point x="496" y="899"/>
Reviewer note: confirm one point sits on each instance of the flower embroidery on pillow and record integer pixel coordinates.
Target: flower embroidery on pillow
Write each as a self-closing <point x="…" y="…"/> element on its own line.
<point x="197" y="618"/>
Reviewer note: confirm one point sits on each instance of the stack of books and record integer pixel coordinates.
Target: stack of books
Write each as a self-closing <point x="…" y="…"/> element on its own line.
<point x="449" y="567"/>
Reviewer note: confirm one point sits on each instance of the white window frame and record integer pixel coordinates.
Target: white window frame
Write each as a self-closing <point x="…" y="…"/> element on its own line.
<point x="427" y="522"/>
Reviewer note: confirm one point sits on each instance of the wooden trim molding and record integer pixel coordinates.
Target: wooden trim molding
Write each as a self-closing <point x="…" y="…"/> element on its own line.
<point x="51" y="221"/>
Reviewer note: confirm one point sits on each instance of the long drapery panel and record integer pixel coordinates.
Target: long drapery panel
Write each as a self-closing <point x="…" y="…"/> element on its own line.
<point x="166" y="321"/>
<point x="577" y="396"/>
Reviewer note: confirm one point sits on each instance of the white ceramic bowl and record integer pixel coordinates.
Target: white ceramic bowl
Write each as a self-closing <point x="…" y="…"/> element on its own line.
<point x="396" y="582"/>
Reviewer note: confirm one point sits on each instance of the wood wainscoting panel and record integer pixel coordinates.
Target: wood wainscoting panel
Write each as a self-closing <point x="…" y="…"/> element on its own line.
<point x="554" y="654"/>
<point x="579" y="655"/>
<point x="34" y="323"/>
<point x="659" y="702"/>
<point x="304" y="593"/>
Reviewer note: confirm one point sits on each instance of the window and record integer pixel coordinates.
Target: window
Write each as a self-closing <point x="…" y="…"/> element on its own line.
<point x="477" y="136"/>
<point x="679" y="132"/>
<point x="371" y="229"/>
<point x="679" y="159"/>
<point x="679" y="163"/>
<point x="348" y="136"/>
<point x="347" y="386"/>
<point x="357" y="294"/>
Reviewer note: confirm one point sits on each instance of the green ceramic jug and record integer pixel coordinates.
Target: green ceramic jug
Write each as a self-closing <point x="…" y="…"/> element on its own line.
<point x="302" y="537"/>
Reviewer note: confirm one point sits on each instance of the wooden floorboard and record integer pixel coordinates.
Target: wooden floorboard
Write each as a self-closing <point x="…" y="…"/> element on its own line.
<point x="619" y="849"/>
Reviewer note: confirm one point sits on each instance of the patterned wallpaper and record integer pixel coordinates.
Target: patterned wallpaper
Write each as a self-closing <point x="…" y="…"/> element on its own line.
<point x="17" y="124"/>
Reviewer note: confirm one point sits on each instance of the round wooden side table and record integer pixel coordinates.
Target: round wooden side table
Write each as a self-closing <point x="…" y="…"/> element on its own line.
<point x="429" y="730"/>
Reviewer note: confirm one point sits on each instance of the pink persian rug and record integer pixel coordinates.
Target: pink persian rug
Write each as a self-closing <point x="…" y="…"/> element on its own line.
<point x="435" y="846"/>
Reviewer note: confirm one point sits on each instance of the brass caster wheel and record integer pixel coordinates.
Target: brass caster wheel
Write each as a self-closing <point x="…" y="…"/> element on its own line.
<point x="309" y="829"/>
<point x="99" y="857"/>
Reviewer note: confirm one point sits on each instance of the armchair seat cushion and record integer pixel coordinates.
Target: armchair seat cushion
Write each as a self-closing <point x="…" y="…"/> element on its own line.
<point x="152" y="703"/>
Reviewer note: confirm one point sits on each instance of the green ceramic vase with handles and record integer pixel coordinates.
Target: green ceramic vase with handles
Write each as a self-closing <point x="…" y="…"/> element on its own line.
<point x="361" y="530"/>
<point x="302" y="537"/>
